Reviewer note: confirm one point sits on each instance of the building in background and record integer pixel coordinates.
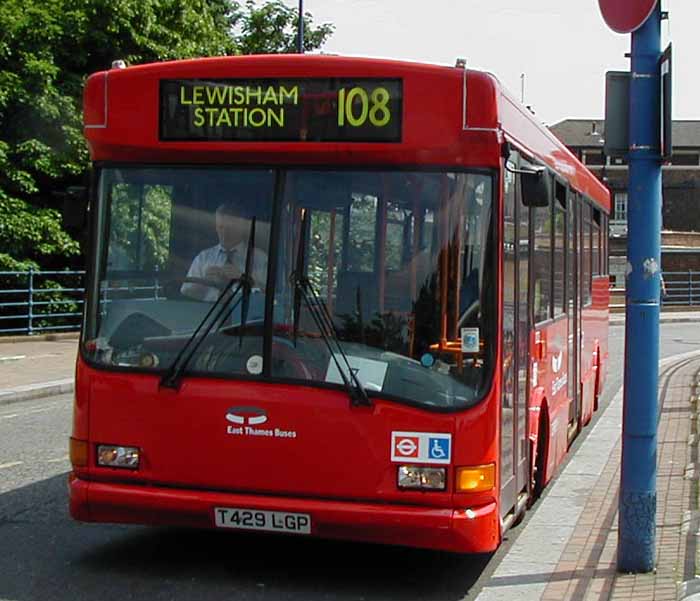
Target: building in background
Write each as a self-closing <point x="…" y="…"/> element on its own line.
<point x="680" y="236"/>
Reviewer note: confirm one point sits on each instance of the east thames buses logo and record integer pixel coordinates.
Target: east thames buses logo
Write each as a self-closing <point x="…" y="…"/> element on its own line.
<point x="247" y="418"/>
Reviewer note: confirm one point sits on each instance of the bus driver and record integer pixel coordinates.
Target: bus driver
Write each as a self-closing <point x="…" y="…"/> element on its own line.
<point x="226" y="260"/>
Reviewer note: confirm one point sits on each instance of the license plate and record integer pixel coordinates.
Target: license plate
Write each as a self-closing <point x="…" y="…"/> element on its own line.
<point x="270" y="521"/>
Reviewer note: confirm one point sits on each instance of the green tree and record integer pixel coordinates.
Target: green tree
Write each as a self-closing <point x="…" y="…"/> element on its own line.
<point x="272" y="28"/>
<point x="47" y="49"/>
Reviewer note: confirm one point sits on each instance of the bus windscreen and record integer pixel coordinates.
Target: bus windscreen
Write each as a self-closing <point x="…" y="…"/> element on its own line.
<point x="403" y="263"/>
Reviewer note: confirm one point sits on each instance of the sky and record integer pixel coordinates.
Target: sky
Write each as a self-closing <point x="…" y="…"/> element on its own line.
<point x="563" y="46"/>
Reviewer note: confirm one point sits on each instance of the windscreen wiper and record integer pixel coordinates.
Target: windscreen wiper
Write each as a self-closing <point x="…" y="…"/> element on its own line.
<point x="172" y="377"/>
<point x="246" y="283"/>
<point x="304" y="289"/>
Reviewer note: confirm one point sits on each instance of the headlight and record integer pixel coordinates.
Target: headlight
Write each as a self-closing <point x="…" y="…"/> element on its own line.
<point x="422" y="478"/>
<point x="118" y="456"/>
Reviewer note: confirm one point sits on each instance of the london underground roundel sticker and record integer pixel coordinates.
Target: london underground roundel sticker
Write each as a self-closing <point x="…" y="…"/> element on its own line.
<point x="626" y="16"/>
<point x="421" y="447"/>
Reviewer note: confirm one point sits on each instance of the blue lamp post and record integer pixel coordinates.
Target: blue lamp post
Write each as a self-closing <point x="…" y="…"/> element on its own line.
<point x="637" y="504"/>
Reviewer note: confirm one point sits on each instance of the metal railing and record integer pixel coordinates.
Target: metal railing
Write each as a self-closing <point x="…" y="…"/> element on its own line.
<point x="39" y="301"/>
<point x="120" y="287"/>
<point x="682" y="288"/>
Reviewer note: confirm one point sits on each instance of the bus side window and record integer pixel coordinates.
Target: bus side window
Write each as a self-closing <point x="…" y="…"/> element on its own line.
<point x="542" y="262"/>
<point x="596" y="248"/>
<point x="586" y="259"/>
<point x="559" y="272"/>
<point x="605" y="267"/>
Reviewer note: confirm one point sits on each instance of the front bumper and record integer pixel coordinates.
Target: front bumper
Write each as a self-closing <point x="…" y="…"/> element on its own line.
<point x="454" y="530"/>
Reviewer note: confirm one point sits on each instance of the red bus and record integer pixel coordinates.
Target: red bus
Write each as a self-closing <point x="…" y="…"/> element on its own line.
<point x="346" y="298"/>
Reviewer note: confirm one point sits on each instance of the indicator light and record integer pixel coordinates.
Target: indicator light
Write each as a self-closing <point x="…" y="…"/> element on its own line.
<point x="78" y="452"/>
<point x="477" y="478"/>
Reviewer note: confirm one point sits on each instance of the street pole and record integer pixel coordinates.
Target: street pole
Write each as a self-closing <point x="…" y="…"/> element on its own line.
<point x="300" y="28"/>
<point x="637" y="503"/>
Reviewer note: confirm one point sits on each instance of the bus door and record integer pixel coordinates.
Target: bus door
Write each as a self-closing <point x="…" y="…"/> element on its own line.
<point x="522" y="338"/>
<point x="514" y="445"/>
<point x="573" y="303"/>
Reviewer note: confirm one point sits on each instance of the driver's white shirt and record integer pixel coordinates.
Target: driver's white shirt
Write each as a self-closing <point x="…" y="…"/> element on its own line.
<point x="216" y="257"/>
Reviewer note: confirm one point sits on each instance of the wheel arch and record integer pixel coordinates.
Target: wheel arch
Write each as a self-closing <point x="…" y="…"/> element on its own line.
<point x="538" y="417"/>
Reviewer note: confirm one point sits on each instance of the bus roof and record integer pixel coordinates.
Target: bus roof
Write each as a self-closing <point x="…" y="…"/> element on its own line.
<point x="449" y="117"/>
<point x="520" y="127"/>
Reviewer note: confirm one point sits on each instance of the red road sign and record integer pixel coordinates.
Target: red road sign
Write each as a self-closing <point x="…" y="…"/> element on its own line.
<point x="626" y="16"/>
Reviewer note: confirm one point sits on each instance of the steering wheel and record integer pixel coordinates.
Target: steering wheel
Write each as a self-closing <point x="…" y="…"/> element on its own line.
<point x="292" y="360"/>
<point x="471" y="310"/>
<point x="221" y="353"/>
<point x="217" y="285"/>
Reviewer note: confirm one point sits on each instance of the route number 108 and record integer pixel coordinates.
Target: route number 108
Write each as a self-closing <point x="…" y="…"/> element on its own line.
<point x="355" y="106"/>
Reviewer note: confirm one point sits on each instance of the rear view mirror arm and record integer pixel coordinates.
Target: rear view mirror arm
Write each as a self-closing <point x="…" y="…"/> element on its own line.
<point x="535" y="170"/>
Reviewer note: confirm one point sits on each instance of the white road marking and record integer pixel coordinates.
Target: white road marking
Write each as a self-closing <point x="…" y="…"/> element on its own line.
<point x="40" y="410"/>
<point x="57" y="460"/>
<point x="12" y="358"/>
<point x="29" y="412"/>
<point x="11" y="464"/>
<point x="44" y="356"/>
<point x="4" y="358"/>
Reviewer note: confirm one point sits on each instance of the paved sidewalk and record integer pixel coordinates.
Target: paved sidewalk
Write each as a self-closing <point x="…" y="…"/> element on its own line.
<point x="31" y="368"/>
<point x="567" y="550"/>
<point x="665" y="317"/>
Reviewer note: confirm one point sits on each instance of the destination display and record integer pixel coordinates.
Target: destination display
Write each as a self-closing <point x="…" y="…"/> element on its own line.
<point x="281" y="110"/>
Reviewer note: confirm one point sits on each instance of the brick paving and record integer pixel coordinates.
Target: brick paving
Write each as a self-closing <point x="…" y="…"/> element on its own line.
<point x="580" y="561"/>
<point x="676" y="494"/>
<point x="589" y="558"/>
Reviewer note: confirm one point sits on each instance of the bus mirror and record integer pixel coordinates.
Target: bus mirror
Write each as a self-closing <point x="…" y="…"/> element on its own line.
<point x="536" y="186"/>
<point x="75" y="208"/>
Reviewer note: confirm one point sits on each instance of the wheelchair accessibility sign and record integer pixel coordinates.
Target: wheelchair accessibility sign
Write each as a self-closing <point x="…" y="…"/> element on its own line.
<point x="421" y="447"/>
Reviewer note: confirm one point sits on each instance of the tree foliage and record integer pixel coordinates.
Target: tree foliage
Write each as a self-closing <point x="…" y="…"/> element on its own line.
<point x="47" y="49"/>
<point x="272" y="28"/>
<point x="140" y="226"/>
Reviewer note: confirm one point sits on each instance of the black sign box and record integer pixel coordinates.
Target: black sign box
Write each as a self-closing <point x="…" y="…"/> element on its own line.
<point x="281" y="110"/>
